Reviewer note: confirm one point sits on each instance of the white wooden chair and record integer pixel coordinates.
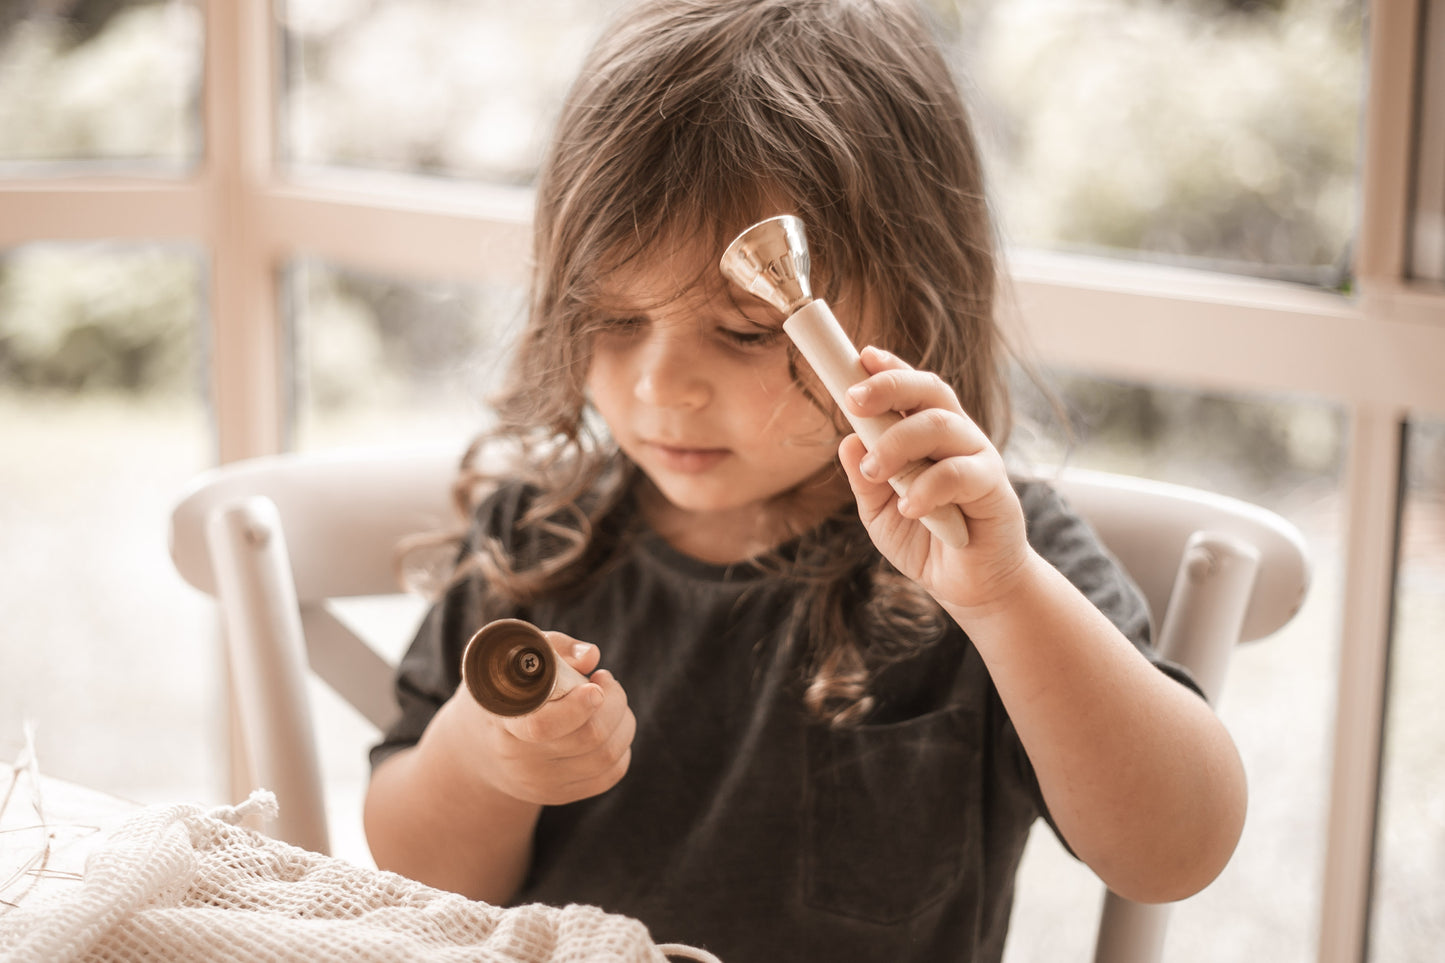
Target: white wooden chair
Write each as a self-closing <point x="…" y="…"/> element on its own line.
<point x="277" y="540"/>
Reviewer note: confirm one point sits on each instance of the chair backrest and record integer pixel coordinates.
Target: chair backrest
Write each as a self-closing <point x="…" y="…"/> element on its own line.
<point x="1146" y="524"/>
<point x="277" y="539"/>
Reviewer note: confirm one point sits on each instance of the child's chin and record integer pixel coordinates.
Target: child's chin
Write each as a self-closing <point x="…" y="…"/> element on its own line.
<point x="702" y="499"/>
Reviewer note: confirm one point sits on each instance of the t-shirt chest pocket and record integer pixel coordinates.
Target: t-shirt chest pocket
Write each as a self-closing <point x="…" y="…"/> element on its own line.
<point x="893" y="815"/>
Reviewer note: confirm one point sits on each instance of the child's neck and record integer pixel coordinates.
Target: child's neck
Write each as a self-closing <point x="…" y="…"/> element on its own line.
<point x="734" y="535"/>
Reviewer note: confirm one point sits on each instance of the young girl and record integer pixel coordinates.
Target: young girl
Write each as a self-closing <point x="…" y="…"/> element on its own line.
<point x="811" y="730"/>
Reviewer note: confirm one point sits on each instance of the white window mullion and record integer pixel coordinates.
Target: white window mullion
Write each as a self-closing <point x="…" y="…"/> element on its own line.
<point x="421" y="233"/>
<point x="1213" y="332"/>
<point x="1427" y="240"/>
<point x="1372" y="495"/>
<point x="79" y="210"/>
<point x="1389" y="122"/>
<point x="1369" y="553"/>
<point x="247" y="357"/>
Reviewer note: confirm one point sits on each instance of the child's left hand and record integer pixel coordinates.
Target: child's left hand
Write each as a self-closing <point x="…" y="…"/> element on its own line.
<point x="969" y="473"/>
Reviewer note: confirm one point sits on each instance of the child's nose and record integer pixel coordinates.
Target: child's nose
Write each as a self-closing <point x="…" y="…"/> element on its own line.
<point x="669" y="371"/>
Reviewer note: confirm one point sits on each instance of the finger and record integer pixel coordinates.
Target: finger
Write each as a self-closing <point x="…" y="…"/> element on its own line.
<point x="601" y="759"/>
<point x="598" y="783"/>
<point x="893" y="385"/>
<point x="582" y="656"/>
<point x="603" y="747"/>
<point x="876" y="359"/>
<point x="613" y="721"/>
<point x="558" y="717"/>
<point x="932" y="434"/>
<point x="872" y="496"/>
<point x="901" y="391"/>
<point x="961" y="480"/>
<point x="850" y="452"/>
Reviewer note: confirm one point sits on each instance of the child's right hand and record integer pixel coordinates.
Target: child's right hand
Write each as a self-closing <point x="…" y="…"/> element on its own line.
<point x="573" y="747"/>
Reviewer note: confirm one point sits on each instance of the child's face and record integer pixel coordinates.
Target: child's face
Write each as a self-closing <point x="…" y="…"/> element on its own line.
<point x="695" y="388"/>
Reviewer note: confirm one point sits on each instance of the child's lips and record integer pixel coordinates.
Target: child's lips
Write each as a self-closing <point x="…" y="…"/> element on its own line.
<point x="684" y="459"/>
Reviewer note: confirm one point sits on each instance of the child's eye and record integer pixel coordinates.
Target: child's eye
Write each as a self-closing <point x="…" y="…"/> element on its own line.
<point x="752" y="337"/>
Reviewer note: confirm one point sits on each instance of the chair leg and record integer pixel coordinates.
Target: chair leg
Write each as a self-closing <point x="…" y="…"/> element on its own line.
<point x="241" y="775"/>
<point x="1131" y="932"/>
<point x="266" y="652"/>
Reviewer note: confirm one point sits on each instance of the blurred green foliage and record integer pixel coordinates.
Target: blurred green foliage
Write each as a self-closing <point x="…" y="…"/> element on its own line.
<point x="1214" y="131"/>
<point x="95" y="317"/>
<point x="112" y="81"/>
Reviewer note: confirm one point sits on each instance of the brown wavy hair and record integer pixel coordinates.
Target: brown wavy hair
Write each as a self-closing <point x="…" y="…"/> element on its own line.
<point x="690" y="120"/>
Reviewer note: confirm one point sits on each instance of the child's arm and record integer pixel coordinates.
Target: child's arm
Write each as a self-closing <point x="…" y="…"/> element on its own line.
<point x="458" y="809"/>
<point x="1139" y="774"/>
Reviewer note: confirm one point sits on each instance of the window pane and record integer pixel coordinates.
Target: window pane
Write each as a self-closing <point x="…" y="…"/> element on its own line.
<point x="1427" y="234"/>
<point x="430" y="86"/>
<point x="1409" y="910"/>
<point x="1218" y="132"/>
<point x="102" y="646"/>
<point x="1284" y="454"/>
<point x="381" y="359"/>
<point x="112" y="82"/>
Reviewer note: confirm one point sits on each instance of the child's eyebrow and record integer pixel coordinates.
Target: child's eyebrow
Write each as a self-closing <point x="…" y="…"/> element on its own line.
<point x="753" y="310"/>
<point x="767" y="324"/>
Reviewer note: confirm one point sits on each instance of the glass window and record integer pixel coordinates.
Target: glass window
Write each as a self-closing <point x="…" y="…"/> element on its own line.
<point x="111" y="82"/>
<point x="429" y="86"/>
<point x="382" y="359"/>
<point x="1283" y="453"/>
<point x="1409" y="911"/>
<point x="105" y="650"/>
<point x="1218" y="133"/>
<point x="1427" y="235"/>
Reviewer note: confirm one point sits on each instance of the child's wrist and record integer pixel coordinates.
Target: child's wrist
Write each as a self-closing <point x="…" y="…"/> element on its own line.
<point x="1020" y="584"/>
<point x="460" y="750"/>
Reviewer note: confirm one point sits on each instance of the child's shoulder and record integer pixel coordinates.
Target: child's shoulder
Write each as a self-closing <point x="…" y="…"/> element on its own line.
<point x="527" y="519"/>
<point x="1042" y="504"/>
<point x="1054" y="528"/>
<point x="498" y="512"/>
<point x="1065" y="538"/>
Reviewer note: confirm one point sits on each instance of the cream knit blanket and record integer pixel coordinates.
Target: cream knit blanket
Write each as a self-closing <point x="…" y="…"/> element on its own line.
<point x="182" y="883"/>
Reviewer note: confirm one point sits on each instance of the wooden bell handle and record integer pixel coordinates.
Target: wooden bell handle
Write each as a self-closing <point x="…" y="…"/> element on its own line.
<point x="822" y="341"/>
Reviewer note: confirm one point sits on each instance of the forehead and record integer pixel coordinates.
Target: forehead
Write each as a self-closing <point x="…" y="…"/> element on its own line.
<point x="664" y="275"/>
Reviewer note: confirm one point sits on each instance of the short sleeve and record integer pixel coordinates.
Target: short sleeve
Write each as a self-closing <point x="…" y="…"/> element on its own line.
<point x="430" y="671"/>
<point x="1068" y="543"/>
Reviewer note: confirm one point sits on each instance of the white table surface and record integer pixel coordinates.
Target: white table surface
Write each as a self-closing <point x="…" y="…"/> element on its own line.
<point x="48" y="827"/>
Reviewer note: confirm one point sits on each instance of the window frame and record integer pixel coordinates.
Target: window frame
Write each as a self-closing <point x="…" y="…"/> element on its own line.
<point x="1377" y="352"/>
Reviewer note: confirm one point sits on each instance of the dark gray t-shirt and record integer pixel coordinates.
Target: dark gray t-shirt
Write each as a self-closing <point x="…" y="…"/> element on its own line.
<point x="744" y="826"/>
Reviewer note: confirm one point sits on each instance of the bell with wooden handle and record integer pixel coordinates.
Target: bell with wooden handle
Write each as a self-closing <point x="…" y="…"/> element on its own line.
<point x="770" y="261"/>
<point x="510" y="668"/>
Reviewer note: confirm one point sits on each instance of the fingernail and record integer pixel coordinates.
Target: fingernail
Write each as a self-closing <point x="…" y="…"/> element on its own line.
<point x="868" y="466"/>
<point x="859" y="393"/>
<point x="904" y="506"/>
<point x="594" y="697"/>
<point x="581" y="649"/>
